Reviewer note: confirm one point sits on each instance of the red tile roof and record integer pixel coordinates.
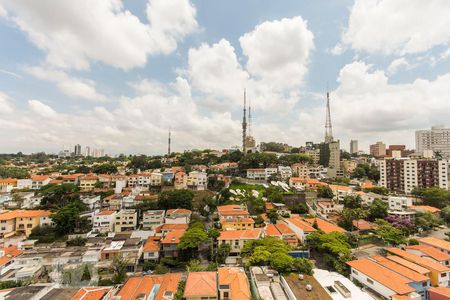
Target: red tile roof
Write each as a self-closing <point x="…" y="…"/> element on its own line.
<point x="173" y="237"/>
<point x="325" y="226"/>
<point x="151" y="245"/>
<point x="136" y="287"/>
<point x="426" y="263"/>
<point x="237" y="280"/>
<point x="431" y="252"/>
<point x="248" y="234"/>
<point x="91" y="293"/>
<point x="201" y="284"/>
<point x="388" y="278"/>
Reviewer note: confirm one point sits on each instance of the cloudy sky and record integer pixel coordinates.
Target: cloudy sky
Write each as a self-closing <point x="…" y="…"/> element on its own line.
<point x="117" y="74"/>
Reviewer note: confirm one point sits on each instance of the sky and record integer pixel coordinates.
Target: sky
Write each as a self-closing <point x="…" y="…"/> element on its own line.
<point x="118" y="74"/>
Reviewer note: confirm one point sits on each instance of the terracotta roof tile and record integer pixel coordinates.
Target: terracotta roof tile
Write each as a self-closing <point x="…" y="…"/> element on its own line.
<point x="91" y="293"/>
<point x="151" y="245"/>
<point x="434" y="242"/>
<point x="237" y="280"/>
<point x="400" y="269"/>
<point x="201" y="284"/>
<point x="431" y="252"/>
<point x="388" y="278"/>
<point x="271" y="230"/>
<point x="248" y="234"/>
<point x="136" y="287"/>
<point x="426" y="263"/>
<point x="325" y="226"/>
<point x="173" y="237"/>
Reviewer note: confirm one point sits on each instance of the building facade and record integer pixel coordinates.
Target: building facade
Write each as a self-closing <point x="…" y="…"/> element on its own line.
<point x="436" y="139"/>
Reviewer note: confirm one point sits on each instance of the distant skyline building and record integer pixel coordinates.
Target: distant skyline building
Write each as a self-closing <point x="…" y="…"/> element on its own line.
<point x="378" y="149"/>
<point x="353" y="146"/>
<point x="77" y="150"/>
<point x="436" y="139"/>
<point x="87" y="151"/>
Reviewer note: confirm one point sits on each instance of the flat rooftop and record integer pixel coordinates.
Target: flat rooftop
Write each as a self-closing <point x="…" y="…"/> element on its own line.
<point x="298" y="287"/>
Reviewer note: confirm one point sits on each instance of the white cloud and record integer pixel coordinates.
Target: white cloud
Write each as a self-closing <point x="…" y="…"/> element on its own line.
<point x="397" y="27"/>
<point x="278" y="51"/>
<point x="86" y="31"/>
<point x="70" y="86"/>
<point x="41" y="109"/>
<point x="397" y="64"/>
<point x="5" y="105"/>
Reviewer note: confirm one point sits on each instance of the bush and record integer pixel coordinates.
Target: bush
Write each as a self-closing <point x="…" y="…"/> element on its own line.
<point x="161" y="269"/>
<point x="149" y="265"/>
<point x="78" y="241"/>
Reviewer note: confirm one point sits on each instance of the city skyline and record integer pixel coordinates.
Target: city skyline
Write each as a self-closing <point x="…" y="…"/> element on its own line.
<point x="124" y="91"/>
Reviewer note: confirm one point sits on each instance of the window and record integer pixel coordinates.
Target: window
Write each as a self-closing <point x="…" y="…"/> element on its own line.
<point x="369" y="281"/>
<point x="225" y="294"/>
<point x="355" y="272"/>
<point x="443" y="275"/>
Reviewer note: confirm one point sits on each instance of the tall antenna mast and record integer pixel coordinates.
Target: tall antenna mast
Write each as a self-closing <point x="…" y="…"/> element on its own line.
<point x="169" y="141"/>
<point x="328" y="126"/>
<point x="244" y="125"/>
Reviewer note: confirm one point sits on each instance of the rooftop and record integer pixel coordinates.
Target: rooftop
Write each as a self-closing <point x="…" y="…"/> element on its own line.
<point x="435" y="242"/>
<point x="201" y="284"/>
<point x="384" y="276"/>
<point x="419" y="260"/>
<point x="248" y="234"/>
<point x="237" y="280"/>
<point x="431" y="252"/>
<point x="155" y="285"/>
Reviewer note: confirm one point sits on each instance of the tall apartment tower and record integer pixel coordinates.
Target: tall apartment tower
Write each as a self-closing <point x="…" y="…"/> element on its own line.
<point x="77" y="150"/>
<point x="436" y="139"/>
<point x="403" y="175"/>
<point x="353" y="146"/>
<point x="87" y="151"/>
<point x="378" y="149"/>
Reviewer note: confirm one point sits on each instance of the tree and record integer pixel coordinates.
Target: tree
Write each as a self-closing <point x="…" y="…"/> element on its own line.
<point x="381" y="190"/>
<point x="334" y="249"/>
<point x="222" y="253"/>
<point x="324" y="191"/>
<point x="255" y="160"/>
<point x="119" y="269"/>
<point x="161" y="269"/>
<point x="303" y="265"/>
<point x="259" y="221"/>
<point x="78" y="241"/>
<point x="104" y="169"/>
<point x="445" y="213"/>
<point x="389" y="234"/>
<point x="300" y="208"/>
<point x="18" y="199"/>
<point x="272" y="146"/>
<point x="194" y="266"/>
<point x="348" y="215"/>
<point x="56" y="196"/>
<point x="67" y="220"/>
<point x="86" y="274"/>
<point x="272" y="214"/>
<point x="378" y="210"/>
<point x="281" y="262"/>
<point x="290" y="159"/>
<point x="271" y="244"/>
<point x="176" y="199"/>
<point x="427" y="221"/>
<point x="352" y="201"/>
<point x="260" y="256"/>
<point x="191" y="240"/>
<point x="83" y="169"/>
<point x="434" y="196"/>
<point x="366" y="171"/>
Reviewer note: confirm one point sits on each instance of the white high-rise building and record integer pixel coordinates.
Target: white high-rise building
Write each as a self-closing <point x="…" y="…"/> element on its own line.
<point x="77" y="150"/>
<point x="353" y="146"/>
<point x="437" y="139"/>
<point x="87" y="151"/>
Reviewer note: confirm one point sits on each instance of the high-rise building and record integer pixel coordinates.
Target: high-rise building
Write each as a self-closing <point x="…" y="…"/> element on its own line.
<point x="403" y="175"/>
<point x="436" y="139"/>
<point x="353" y="146"/>
<point x="378" y="149"/>
<point x="87" y="151"/>
<point x="396" y="151"/>
<point x="77" y="150"/>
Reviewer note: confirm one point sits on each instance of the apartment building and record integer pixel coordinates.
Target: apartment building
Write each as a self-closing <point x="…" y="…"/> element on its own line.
<point x="378" y="149"/>
<point x="180" y="180"/>
<point x="285" y="172"/>
<point x="436" y="139"/>
<point x="403" y="175"/>
<point x="88" y="182"/>
<point x="103" y="221"/>
<point x="23" y="221"/>
<point x="300" y="170"/>
<point x="152" y="219"/>
<point x="38" y="181"/>
<point x="197" y="180"/>
<point x="126" y="220"/>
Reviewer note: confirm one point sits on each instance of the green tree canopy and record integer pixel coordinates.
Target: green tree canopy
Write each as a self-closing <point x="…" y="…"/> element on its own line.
<point x="378" y="210"/>
<point x="176" y="199"/>
<point x="389" y="234"/>
<point x="324" y="191"/>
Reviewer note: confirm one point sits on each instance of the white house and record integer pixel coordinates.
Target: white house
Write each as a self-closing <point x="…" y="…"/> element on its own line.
<point x="197" y="180"/>
<point x="103" y="221"/>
